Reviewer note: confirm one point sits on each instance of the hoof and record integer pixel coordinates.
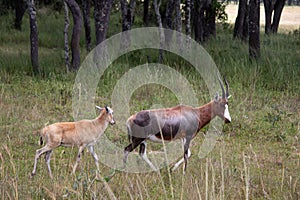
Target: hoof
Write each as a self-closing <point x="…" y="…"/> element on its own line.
<point x="31" y="175"/>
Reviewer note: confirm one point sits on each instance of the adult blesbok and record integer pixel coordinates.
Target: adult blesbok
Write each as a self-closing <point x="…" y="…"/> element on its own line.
<point x="179" y="122"/>
<point x="83" y="133"/>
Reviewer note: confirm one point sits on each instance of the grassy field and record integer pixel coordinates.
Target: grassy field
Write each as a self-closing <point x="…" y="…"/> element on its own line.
<point x="257" y="156"/>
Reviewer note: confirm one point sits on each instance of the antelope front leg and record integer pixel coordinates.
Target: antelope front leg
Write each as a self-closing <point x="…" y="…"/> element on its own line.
<point x="95" y="156"/>
<point x="47" y="159"/>
<point x="39" y="152"/>
<point x="81" y="148"/>
<point x="135" y="142"/>
<point x="181" y="161"/>
<point x="143" y="154"/>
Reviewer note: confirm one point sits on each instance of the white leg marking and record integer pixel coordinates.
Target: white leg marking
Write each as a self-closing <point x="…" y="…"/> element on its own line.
<point x="145" y="158"/>
<point x="181" y="161"/>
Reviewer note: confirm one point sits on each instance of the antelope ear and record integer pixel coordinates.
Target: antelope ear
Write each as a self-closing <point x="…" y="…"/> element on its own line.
<point x="228" y="96"/>
<point x="106" y="108"/>
<point x="99" y="107"/>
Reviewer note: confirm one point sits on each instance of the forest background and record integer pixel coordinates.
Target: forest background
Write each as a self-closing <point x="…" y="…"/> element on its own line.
<point x="258" y="154"/>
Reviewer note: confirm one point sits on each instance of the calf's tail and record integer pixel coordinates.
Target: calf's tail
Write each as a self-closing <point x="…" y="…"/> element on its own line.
<point x="39" y="133"/>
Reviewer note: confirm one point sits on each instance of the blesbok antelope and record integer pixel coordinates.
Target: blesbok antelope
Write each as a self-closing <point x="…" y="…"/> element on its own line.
<point x="83" y="133"/>
<point x="179" y="122"/>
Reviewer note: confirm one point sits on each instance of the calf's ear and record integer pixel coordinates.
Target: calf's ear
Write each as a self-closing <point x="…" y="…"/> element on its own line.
<point x="99" y="108"/>
<point x="106" y="108"/>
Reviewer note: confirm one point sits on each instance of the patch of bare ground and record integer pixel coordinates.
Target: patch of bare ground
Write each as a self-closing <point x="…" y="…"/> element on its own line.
<point x="290" y="17"/>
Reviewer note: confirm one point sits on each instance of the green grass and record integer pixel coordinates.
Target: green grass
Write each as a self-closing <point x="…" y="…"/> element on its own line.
<point x="258" y="154"/>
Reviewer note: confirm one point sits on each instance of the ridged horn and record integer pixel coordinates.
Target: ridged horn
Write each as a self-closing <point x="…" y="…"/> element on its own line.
<point x="227" y="88"/>
<point x="222" y="87"/>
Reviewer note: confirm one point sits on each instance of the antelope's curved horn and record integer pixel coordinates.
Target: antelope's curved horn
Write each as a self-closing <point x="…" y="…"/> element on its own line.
<point x="222" y="87"/>
<point x="227" y="88"/>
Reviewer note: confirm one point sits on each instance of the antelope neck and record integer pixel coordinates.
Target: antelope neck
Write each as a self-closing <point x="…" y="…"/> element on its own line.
<point x="205" y="114"/>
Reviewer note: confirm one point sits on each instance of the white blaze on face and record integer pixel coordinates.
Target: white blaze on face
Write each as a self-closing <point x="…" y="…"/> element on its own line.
<point x="226" y="113"/>
<point x="110" y="111"/>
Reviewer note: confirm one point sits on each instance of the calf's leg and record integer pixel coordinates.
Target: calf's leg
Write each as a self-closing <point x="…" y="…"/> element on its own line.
<point x="38" y="153"/>
<point x="95" y="156"/>
<point x="47" y="159"/>
<point x="81" y="148"/>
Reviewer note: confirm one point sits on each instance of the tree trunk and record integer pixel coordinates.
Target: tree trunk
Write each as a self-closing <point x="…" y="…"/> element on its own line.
<point x="168" y="22"/>
<point x="127" y="10"/>
<point x="87" y="24"/>
<point x="77" y="21"/>
<point x="241" y="23"/>
<point x="161" y="32"/>
<point x="246" y="24"/>
<point x="146" y="13"/>
<point x="278" y="7"/>
<point x="66" y="38"/>
<point x="199" y="21"/>
<point x="34" y="43"/>
<point x="188" y="21"/>
<point x="102" y="15"/>
<point x="204" y="20"/>
<point x="20" y="8"/>
<point x="269" y="6"/>
<point x="178" y="23"/>
<point x="254" y="40"/>
<point x="211" y="19"/>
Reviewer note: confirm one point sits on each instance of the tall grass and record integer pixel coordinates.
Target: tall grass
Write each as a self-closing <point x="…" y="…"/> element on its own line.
<point x="258" y="155"/>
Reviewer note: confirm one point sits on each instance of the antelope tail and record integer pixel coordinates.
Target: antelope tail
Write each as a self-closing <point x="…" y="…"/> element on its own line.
<point x="39" y="133"/>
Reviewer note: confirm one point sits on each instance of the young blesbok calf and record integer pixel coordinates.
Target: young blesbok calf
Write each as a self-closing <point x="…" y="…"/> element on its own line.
<point x="84" y="133"/>
<point x="180" y="122"/>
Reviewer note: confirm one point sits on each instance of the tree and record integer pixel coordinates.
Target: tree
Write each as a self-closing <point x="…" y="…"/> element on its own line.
<point x="66" y="38"/>
<point x="34" y="42"/>
<point x="102" y="15"/>
<point x="199" y="21"/>
<point x="254" y="39"/>
<point x="277" y="7"/>
<point x="241" y="22"/>
<point x="188" y="20"/>
<point x="168" y="21"/>
<point x="146" y="12"/>
<point x="20" y="8"/>
<point x="210" y="18"/>
<point x="161" y="32"/>
<point x="86" y="21"/>
<point x="205" y="19"/>
<point x="127" y="10"/>
<point x="77" y="25"/>
<point x="178" y="23"/>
